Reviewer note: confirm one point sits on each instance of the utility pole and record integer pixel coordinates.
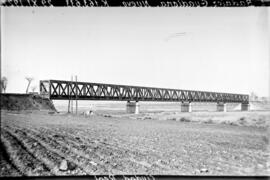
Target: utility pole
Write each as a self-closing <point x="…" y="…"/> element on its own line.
<point x="76" y="94"/>
<point x="69" y="91"/>
<point x="71" y="94"/>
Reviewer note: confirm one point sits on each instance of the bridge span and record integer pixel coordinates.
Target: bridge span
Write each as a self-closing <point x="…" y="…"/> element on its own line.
<point x="65" y="90"/>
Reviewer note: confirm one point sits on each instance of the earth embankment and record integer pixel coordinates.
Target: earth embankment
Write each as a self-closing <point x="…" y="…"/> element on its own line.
<point x="20" y="102"/>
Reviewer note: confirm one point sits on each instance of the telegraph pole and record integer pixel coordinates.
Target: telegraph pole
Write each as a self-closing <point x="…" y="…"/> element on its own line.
<point x="76" y="94"/>
<point x="69" y="98"/>
<point x="71" y="94"/>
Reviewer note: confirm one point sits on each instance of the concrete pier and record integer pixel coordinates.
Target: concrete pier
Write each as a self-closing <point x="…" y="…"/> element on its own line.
<point x="221" y="107"/>
<point x="186" y="107"/>
<point x="132" y="107"/>
<point x="245" y="107"/>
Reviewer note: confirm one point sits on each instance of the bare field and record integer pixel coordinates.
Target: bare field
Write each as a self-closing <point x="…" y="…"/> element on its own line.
<point x="171" y="143"/>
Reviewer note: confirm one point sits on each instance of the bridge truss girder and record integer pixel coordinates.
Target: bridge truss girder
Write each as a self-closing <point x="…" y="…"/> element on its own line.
<point x="64" y="90"/>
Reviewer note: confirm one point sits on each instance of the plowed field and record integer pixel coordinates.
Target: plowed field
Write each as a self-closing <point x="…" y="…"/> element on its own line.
<point x="35" y="144"/>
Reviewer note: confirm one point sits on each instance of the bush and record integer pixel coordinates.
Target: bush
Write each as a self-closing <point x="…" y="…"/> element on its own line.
<point x="107" y="115"/>
<point x="242" y="119"/>
<point x="183" y="119"/>
<point x="147" y="117"/>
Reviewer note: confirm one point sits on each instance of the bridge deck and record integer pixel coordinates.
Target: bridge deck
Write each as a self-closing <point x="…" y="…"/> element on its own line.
<point x="64" y="90"/>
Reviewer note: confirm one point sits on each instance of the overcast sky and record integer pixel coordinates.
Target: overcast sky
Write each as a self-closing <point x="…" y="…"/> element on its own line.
<point x="212" y="49"/>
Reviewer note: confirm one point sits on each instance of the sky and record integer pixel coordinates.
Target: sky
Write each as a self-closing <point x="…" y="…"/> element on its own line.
<point x="206" y="49"/>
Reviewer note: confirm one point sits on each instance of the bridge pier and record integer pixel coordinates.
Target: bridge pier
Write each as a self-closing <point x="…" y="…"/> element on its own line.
<point x="221" y="107"/>
<point x="245" y="106"/>
<point x="186" y="107"/>
<point x="132" y="107"/>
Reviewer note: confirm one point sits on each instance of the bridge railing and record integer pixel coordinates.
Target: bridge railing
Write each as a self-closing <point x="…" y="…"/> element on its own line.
<point x="56" y="89"/>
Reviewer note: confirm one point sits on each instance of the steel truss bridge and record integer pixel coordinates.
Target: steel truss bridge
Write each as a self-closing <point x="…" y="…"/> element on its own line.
<point x="65" y="90"/>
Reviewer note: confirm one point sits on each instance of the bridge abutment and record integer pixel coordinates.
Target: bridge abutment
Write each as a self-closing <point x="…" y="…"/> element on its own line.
<point x="132" y="107"/>
<point x="221" y="107"/>
<point x="186" y="107"/>
<point x="245" y="106"/>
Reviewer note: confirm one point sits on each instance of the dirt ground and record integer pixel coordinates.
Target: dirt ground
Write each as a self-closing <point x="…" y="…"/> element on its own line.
<point x="168" y="143"/>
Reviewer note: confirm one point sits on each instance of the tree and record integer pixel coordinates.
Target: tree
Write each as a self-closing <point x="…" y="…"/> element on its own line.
<point x="29" y="79"/>
<point x="3" y="84"/>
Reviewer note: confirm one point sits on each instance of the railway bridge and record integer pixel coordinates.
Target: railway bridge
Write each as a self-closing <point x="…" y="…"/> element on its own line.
<point x="66" y="90"/>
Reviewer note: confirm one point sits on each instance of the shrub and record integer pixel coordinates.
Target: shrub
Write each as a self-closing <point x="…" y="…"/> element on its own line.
<point x="242" y="119"/>
<point x="147" y="117"/>
<point x="183" y="119"/>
